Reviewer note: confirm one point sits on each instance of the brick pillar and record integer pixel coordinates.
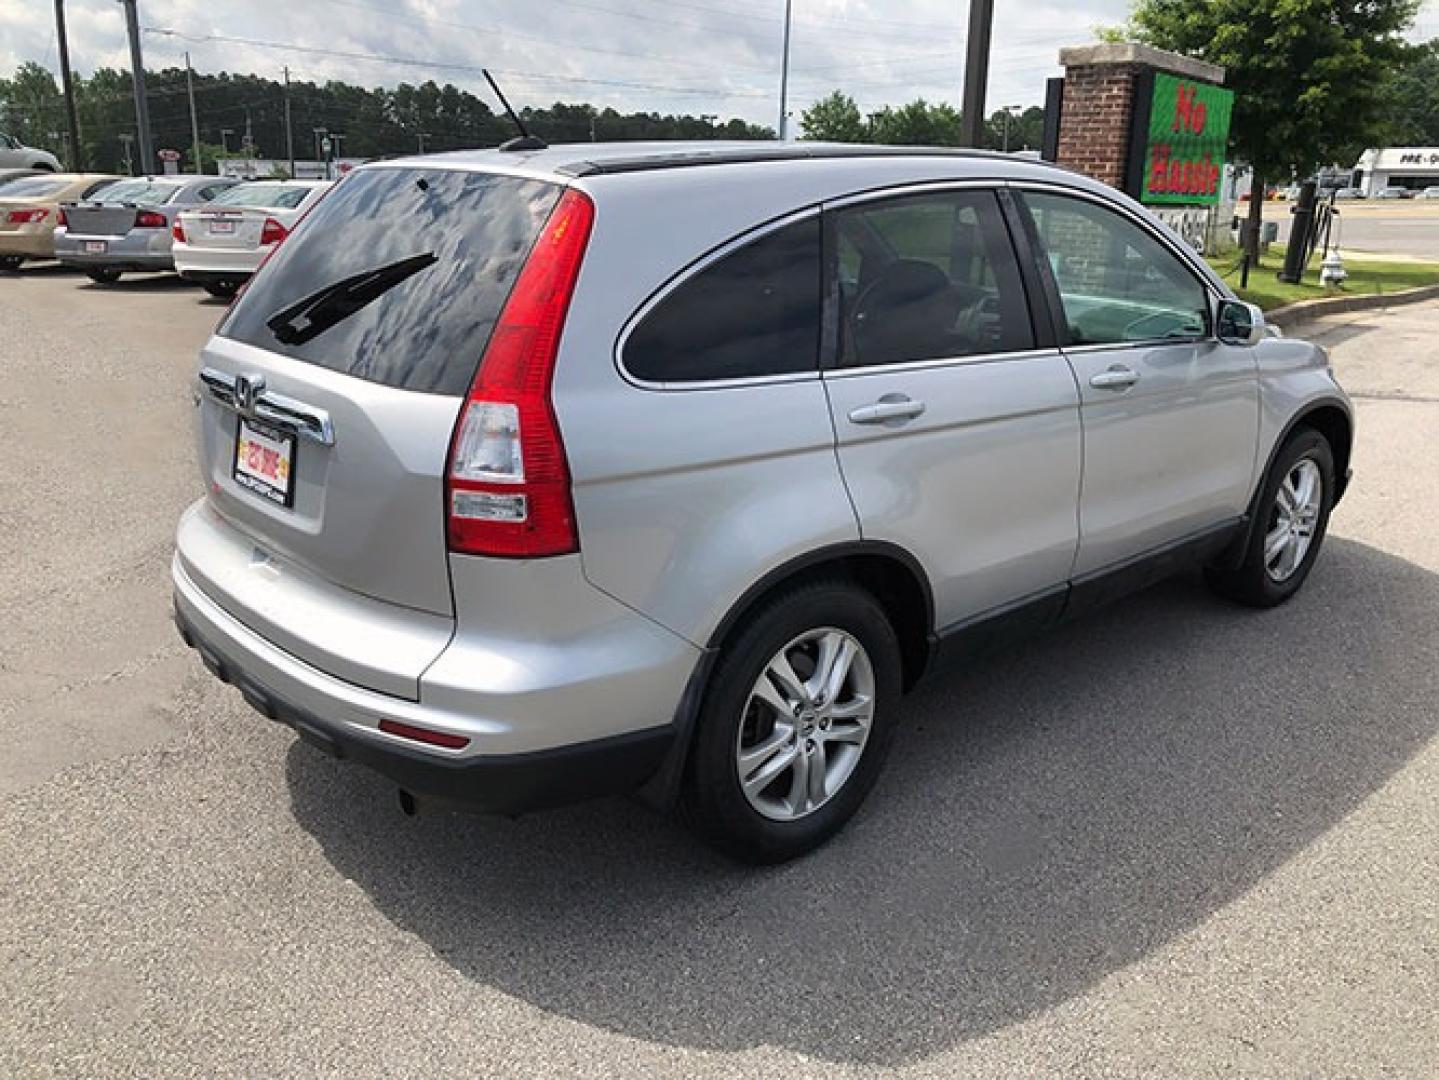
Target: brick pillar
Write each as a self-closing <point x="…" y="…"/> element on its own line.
<point x="1098" y="104"/>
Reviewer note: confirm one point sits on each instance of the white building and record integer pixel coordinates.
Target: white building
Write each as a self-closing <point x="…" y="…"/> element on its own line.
<point x="1414" y="167"/>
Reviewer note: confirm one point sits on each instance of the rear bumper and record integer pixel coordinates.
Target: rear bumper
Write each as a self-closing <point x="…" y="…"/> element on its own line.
<point x="196" y="263"/>
<point x="499" y="784"/>
<point x="138" y="250"/>
<point x="36" y="245"/>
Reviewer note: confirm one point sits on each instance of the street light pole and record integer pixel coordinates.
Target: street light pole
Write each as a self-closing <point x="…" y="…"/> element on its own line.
<point x="784" y="76"/>
<point x="137" y="78"/>
<point x="976" y="72"/>
<point x="75" y="156"/>
<point x="194" y="120"/>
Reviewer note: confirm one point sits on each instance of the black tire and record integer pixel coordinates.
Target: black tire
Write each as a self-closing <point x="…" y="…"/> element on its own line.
<point x="11" y="263"/>
<point x="713" y="800"/>
<point x="1251" y="582"/>
<point x="223" y="289"/>
<point x="103" y="277"/>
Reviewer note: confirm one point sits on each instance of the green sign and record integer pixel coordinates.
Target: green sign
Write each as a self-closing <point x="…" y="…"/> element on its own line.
<point x="1188" y="134"/>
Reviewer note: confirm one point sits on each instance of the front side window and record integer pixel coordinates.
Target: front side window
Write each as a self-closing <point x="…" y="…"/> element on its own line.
<point x="1117" y="282"/>
<point x="927" y="277"/>
<point x="753" y="312"/>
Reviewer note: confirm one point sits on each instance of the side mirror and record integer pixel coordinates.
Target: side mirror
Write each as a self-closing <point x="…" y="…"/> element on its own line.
<point x="1238" y="323"/>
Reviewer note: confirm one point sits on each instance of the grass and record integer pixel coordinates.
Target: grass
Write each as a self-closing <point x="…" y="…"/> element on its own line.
<point x="1367" y="277"/>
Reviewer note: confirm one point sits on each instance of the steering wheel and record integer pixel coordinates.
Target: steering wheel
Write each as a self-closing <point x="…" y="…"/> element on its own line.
<point x="905" y="287"/>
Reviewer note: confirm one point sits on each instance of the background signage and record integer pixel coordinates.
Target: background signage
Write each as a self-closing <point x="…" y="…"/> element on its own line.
<point x="1178" y="140"/>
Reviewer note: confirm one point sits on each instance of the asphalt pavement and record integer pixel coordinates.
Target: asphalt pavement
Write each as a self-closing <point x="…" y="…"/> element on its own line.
<point x="1174" y="839"/>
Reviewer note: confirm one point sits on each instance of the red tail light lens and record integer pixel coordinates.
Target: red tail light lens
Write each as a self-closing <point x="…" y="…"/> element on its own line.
<point x="61" y="221"/>
<point x="272" y="232"/>
<point x="508" y="484"/>
<point x="149" y="219"/>
<point x="424" y="735"/>
<point x="177" y="232"/>
<point x="27" y="217"/>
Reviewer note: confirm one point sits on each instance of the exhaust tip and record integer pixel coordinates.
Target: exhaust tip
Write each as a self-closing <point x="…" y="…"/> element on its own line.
<point x="408" y="806"/>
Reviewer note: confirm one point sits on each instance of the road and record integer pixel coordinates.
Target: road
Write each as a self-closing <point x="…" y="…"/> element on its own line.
<point x="1176" y="838"/>
<point x="1409" y="229"/>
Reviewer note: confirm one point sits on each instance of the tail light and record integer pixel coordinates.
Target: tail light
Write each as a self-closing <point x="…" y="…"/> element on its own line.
<point x="149" y="219"/>
<point x="26" y="217"/>
<point x="508" y="484"/>
<point x="177" y="232"/>
<point x="272" y="232"/>
<point x="61" y="221"/>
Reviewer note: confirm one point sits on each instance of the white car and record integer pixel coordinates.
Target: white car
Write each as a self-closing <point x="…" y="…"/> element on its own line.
<point x="1429" y="193"/>
<point x="16" y="155"/>
<point x="219" y="245"/>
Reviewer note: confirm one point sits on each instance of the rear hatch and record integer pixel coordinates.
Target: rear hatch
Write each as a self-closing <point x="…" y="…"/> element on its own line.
<point x="331" y="389"/>
<point x="112" y="211"/>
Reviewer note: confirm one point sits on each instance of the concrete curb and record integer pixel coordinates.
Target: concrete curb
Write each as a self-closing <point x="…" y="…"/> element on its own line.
<point x="1297" y="314"/>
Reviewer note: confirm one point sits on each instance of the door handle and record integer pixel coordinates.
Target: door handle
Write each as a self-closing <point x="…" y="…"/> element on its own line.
<point x="889" y="407"/>
<point x="1117" y="377"/>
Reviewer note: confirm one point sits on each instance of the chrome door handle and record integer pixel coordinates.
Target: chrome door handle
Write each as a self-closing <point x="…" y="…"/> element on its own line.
<point x="889" y="407"/>
<point x="1118" y="377"/>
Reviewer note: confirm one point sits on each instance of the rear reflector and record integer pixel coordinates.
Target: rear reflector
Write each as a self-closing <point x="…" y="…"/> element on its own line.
<point x="508" y="484"/>
<point x="424" y="735"/>
<point x="26" y="217"/>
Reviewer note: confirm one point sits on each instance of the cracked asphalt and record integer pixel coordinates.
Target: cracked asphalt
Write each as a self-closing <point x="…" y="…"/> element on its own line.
<point x="1173" y="839"/>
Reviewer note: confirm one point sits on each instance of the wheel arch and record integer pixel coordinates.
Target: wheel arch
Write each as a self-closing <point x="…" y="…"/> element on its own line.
<point x="888" y="572"/>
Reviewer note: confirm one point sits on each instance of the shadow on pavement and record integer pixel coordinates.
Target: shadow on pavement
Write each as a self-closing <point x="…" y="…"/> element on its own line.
<point x="144" y="283"/>
<point x="1046" y="820"/>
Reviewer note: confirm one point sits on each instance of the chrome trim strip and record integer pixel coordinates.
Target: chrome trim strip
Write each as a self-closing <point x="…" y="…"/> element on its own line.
<point x="304" y="420"/>
<point x="943" y="362"/>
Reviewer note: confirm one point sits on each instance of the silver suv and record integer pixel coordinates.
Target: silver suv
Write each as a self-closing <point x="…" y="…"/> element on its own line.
<point x="536" y="475"/>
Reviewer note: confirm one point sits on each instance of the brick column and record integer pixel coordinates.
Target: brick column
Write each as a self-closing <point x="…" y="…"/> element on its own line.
<point x="1098" y="103"/>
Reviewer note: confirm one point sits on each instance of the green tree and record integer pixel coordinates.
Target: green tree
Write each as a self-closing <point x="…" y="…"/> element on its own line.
<point x="1308" y="75"/>
<point x="1411" y="99"/>
<point x="834" y="119"/>
<point x="916" y="124"/>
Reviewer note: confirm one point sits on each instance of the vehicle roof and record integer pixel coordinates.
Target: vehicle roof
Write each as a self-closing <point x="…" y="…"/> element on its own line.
<point x="574" y="160"/>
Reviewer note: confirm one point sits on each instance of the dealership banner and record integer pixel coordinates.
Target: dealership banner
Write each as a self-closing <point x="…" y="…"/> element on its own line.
<point x="1178" y="138"/>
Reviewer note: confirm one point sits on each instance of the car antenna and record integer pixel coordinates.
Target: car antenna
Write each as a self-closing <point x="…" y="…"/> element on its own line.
<point x="524" y="141"/>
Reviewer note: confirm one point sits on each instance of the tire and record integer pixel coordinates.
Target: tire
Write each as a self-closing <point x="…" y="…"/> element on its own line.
<point x="1264" y="580"/>
<point x="10" y="263"/>
<point x="804" y="624"/>
<point x="103" y="277"/>
<point x="222" y="289"/>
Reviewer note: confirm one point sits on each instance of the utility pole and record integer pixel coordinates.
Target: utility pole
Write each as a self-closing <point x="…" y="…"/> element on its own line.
<point x="137" y="77"/>
<point x="194" y="120"/>
<point x="421" y="136"/>
<point x="75" y="156"/>
<point x="784" y="76"/>
<point x="289" y="132"/>
<point x="976" y="72"/>
<point x="128" y="142"/>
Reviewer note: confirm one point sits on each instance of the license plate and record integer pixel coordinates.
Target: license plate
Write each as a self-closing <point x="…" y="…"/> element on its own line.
<point x="265" y="461"/>
<point x="94" y="247"/>
<point x="222" y="227"/>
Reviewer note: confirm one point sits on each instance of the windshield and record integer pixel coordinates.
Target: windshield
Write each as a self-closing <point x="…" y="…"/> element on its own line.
<point x="397" y="275"/>
<point x="273" y="196"/>
<point x="135" y="191"/>
<point x="32" y="187"/>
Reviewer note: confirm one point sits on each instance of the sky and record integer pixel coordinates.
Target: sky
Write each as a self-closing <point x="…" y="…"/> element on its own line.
<point x="717" y="57"/>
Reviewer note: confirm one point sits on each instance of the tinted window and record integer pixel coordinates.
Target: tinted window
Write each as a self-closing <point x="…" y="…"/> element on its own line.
<point x="466" y="235"/>
<point x="1117" y="282"/>
<point x="276" y="196"/>
<point x="32" y="187"/>
<point x="926" y="277"/>
<point x="136" y="191"/>
<point x="755" y="311"/>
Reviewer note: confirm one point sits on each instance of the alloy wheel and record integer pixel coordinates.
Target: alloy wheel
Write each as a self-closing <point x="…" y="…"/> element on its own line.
<point x="1293" y="520"/>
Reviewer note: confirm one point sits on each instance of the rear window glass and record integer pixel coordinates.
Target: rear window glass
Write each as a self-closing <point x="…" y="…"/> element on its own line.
<point x="135" y="191"/>
<point x="429" y="256"/>
<point x="32" y="187"/>
<point x="754" y="312"/>
<point x="274" y="196"/>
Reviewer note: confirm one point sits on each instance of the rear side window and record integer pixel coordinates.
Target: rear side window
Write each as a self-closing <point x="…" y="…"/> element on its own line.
<point x="397" y="276"/>
<point x="753" y="312"/>
<point x="927" y="277"/>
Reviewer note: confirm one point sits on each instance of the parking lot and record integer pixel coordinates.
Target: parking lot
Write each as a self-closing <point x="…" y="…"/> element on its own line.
<point x="1176" y="838"/>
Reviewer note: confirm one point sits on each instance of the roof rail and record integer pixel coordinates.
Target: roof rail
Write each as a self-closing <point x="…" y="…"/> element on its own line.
<point x="762" y="152"/>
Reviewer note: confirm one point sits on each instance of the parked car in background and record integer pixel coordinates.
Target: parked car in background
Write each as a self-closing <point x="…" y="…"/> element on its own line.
<point x="30" y="211"/>
<point x="1348" y="193"/>
<point x="220" y="244"/>
<point x="533" y="475"/>
<point x="16" y="155"/>
<point x="1394" y="193"/>
<point x="127" y="225"/>
<point x="1429" y="193"/>
<point x="9" y="175"/>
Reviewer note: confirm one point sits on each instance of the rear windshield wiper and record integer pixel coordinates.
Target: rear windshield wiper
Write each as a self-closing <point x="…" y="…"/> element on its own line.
<point x="338" y="301"/>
